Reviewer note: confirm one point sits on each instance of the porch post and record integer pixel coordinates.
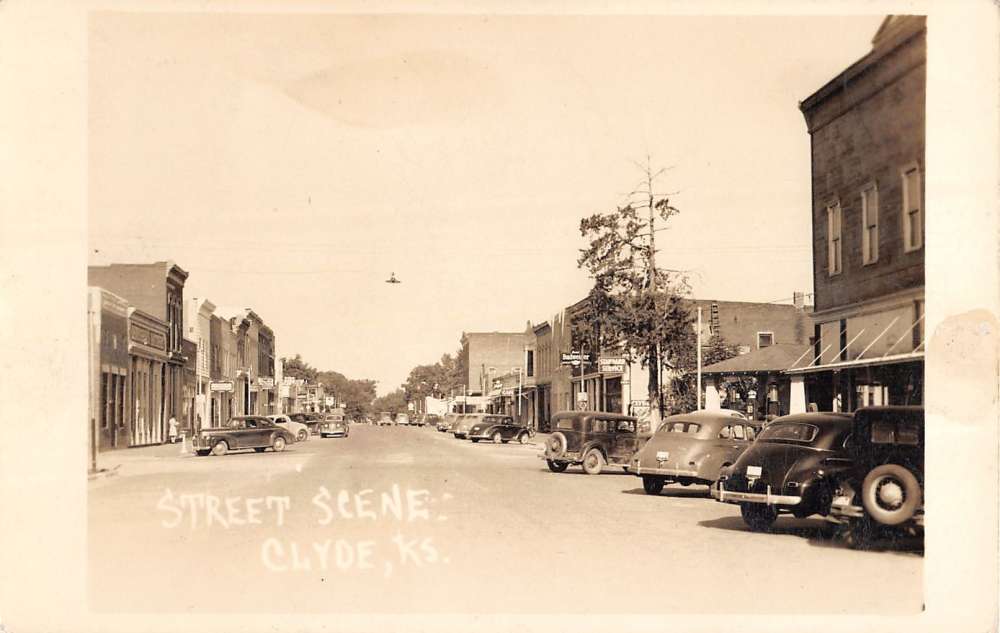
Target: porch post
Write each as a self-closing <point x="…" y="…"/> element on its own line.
<point x="797" y="397"/>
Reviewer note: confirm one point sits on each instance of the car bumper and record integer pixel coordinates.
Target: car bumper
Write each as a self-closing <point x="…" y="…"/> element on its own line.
<point x="480" y="436"/>
<point x="337" y="432"/>
<point x="842" y="512"/>
<point x="569" y="458"/>
<point x="720" y="493"/>
<point x="639" y="470"/>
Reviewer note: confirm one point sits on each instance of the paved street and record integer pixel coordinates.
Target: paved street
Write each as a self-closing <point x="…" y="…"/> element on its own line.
<point x="400" y="519"/>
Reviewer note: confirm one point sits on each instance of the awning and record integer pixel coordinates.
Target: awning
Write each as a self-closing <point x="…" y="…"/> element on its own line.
<point x="911" y="357"/>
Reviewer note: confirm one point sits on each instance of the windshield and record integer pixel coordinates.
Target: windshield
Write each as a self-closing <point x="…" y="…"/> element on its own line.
<point x="788" y="432"/>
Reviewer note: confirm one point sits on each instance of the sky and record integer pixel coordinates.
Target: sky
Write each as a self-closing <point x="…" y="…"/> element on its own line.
<point x="291" y="163"/>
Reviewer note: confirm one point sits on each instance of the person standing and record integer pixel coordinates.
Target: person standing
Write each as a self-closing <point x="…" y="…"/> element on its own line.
<point x="172" y="429"/>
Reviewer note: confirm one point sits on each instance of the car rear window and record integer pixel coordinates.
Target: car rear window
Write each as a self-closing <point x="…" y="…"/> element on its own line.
<point x="892" y="432"/>
<point x="566" y="424"/>
<point x="679" y="427"/>
<point x="789" y="432"/>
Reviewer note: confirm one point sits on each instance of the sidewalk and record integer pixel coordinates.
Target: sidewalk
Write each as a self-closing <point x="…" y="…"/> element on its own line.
<point x="113" y="462"/>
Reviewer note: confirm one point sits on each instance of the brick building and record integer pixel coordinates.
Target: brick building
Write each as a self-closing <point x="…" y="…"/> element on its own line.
<point x="866" y="127"/>
<point x="156" y="289"/>
<point x="109" y="366"/>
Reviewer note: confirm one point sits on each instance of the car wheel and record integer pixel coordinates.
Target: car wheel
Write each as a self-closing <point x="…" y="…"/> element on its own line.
<point x="593" y="461"/>
<point x="556" y="467"/>
<point x="278" y="444"/>
<point x="203" y="452"/>
<point x="652" y="485"/>
<point x="259" y="449"/>
<point x="757" y="516"/>
<point x="303" y="436"/>
<point x="522" y="438"/>
<point x="220" y="448"/>
<point x="475" y="440"/>
<point x="890" y="494"/>
<point x="496" y="437"/>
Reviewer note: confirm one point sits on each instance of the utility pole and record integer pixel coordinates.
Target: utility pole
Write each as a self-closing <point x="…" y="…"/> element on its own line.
<point x="699" y="359"/>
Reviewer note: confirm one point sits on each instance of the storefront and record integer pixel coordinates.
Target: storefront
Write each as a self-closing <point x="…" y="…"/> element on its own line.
<point x="147" y="350"/>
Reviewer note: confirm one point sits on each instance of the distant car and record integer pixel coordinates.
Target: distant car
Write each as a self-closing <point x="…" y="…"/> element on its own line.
<point x="432" y="419"/>
<point x="402" y="419"/>
<point x="418" y="420"/>
<point x="692" y="448"/>
<point x="385" y="419"/>
<point x="242" y="432"/>
<point x="592" y="439"/>
<point x="447" y="422"/>
<point x="299" y="430"/>
<point x="498" y="429"/>
<point x="884" y="485"/>
<point x="334" y="426"/>
<point x="792" y="467"/>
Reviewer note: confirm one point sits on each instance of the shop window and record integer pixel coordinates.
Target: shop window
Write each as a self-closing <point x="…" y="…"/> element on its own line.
<point x="918" y="324"/>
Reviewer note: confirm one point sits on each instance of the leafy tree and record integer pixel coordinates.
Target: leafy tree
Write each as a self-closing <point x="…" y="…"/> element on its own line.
<point x="635" y="307"/>
<point x="298" y="368"/>
<point x="394" y="402"/>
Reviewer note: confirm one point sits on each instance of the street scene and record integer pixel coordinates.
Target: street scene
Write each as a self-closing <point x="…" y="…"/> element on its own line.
<point x="457" y="511"/>
<point x="510" y="323"/>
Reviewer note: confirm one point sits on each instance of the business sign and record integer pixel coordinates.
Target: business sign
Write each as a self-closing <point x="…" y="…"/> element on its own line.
<point x="581" y="397"/>
<point x="509" y="391"/>
<point x="497" y="384"/>
<point x="223" y="385"/>
<point x="265" y="382"/>
<point x="575" y="358"/>
<point x="611" y="365"/>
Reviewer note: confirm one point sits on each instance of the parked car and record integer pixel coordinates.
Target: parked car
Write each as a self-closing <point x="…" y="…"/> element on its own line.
<point x="385" y="419"/>
<point x="884" y="485"/>
<point x="692" y="448"/>
<point x="402" y="419"/>
<point x="464" y="423"/>
<point x="298" y="429"/>
<point x="498" y="429"/>
<point x="334" y="426"/>
<point x="432" y="419"/>
<point x="242" y="432"/>
<point x="447" y="422"/>
<point x="791" y="467"/>
<point x="305" y="418"/>
<point x="592" y="439"/>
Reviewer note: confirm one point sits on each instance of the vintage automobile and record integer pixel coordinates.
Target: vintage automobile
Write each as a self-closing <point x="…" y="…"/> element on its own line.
<point x="447" y="422"/>
<point x="431" y="419"/>
<point x="592" y="439"/>
<point x="385" y="419"/>
<point x="884" y="486"/>
<point x="791" y="467"/>
<point x="402" y="419"/>
<point x="299" y="430"/>
<point x="691" y="448"/>
<point x="498" y="429"/>
<point x="308" y="419"/>
<point x="334" y="426"/>
<point x="242" y="432"/>
<point x="464" y="423"/>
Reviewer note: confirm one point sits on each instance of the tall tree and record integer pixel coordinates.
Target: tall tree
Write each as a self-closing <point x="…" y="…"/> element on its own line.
<point x="634" y="306"/>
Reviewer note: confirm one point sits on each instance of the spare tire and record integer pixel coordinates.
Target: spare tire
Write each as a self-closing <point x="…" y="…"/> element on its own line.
<point x="556" y="445"/>
<point x="891" y="494"/>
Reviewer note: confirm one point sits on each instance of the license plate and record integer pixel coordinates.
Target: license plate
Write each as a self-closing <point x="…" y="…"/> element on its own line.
<point x="662" y="456"/>
<point x="753" y="471"/>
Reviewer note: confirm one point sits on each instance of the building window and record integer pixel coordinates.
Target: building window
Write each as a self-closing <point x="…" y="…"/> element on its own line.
<point x="913" y="221"/>
<point x="765" y="339"/>
<point x="530" y="363"/>
<point x="833" y="235"/>
<point x="869" y="224"/>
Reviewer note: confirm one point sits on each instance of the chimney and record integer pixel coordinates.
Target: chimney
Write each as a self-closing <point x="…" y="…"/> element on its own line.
<point x="799" y="299"/>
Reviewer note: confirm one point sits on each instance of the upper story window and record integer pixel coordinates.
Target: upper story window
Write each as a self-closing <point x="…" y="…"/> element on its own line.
<point x="834" y="217"/>
<point x="913" y="212"/>
<point x="765" y="339"/>
<point x="869" y="224"/>
<point x="530" y="362"/>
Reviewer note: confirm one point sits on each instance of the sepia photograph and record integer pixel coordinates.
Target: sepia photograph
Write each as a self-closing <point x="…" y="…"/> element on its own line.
<point x="433" y="318"/>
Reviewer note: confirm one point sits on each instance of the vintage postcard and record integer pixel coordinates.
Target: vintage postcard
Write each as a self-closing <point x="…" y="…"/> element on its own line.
<point x="502" y="316"/>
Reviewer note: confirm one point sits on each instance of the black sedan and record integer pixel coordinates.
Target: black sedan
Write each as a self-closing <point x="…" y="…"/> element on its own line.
<point x="792" y="467"/>
<point x="498" y="429"/>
